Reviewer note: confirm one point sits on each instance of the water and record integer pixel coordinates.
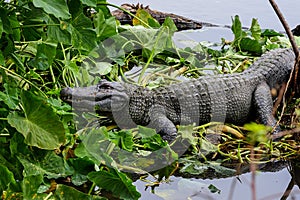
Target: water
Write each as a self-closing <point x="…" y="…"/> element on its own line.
<point x="221" y="12"/>
<point x="269" y="185"/>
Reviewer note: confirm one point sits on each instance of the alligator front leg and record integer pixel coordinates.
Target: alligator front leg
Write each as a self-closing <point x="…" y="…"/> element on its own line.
<point x="160" y="122"/>
<point x="263" y="103"/>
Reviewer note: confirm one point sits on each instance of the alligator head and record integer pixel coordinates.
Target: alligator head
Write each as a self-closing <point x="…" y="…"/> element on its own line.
<point x="104" y="97"/>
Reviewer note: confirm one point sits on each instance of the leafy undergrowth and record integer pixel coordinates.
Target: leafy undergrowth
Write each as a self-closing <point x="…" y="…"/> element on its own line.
<point x="47" y="154"/>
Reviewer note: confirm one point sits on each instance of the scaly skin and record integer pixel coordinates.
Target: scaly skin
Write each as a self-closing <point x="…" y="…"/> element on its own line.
<point x="233" y="98"/>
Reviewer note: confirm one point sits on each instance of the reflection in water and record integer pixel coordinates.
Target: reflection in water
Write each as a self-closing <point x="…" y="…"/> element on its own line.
<point x="273" y="181"/>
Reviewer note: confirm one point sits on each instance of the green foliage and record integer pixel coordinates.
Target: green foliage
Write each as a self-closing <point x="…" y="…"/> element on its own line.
<point x="41" y="127"/>
<point x="116" y="182"/>
<point x="46" y="46"/>
<point x="64" y="192"/>
<point x="258" y="132"/>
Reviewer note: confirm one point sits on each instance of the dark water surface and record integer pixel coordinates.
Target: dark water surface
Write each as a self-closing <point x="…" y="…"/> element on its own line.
<point x="269" y="185"/>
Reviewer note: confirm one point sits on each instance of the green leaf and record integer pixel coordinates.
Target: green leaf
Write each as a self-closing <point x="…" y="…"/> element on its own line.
<point x="92" y="3"/>
<point x="116" y="182"/>
<point x="124" y="139"/>
<point x="30" y="185"/>
<point x="170" y="24"/>
<point x="146" y="132"/>
<point x="81" y="166"/>
<point x="16" y="27"/>
<point x="251" y="45"/>
<point x="58" y="8"/>
<point x="270" y="33"/>
<point x="105" y="28"/>
<point x="187" y="133"/>
<point x="6" y="178"/>
<point x="47" y="164"/>
<point x="41" y="127"/>
<point x="64" y="192"/>
<point x="10" y="96"/>
<point x="258" y="132"/>
<point x="255" y="29"/>
<point x="6" y="26"/>
<point x="82" y="37"/>
<point x="237" y="28"/>
<point x="214" y="189"/>
<point x="58" y="33"/>
<point x="146" y="18"/>
<point x="45" y="55"/>
<point x="94" y="146"/>
<point x="101" y="68"/>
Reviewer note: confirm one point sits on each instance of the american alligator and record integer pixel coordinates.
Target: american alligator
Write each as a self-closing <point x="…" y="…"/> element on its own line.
<point x="233" y="98"/>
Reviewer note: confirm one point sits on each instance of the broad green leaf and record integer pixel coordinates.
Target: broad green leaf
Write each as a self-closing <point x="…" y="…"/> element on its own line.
<point x="237" y="28"/>
<point x="46" y="53"/>
<point x="116" y="182"/>
<point x="150" y="139"/>
<point x="251" y="45"/>
<point x="41" y="127"/>
<point x="124" y="139"/>
<point x="16" y="27"/>
<point x="101" y="68"/>
<point x="105" y="28"/>
<point x="81" y="28"/>
<point x="58" y="33"/>
<point x="30" y="186"/>
<point x="92" y="3"/>
<point x="64" y="192"/>
<point x="255" y="29"/>
<point x="48" y="164"/>
<point x="187" y="133"/>
<point x="272" y="46"/>
<point x="146" y="18"/>
<point x="82" y="38"/>
<point x="6" y="26"/>
<point x="58" y="8"/>
<point x="170" y="24"/>
<point x="145" y="132"/>
<point x="9" y="96"/>
<point x="95" y="145"/>
<point x="270" y="33"/>
<point x="81" y="166"/>
<point x="6" y="178"/>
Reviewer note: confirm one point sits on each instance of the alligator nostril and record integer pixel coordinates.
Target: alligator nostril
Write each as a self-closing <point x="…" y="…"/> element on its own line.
<point x="66" y="92"/>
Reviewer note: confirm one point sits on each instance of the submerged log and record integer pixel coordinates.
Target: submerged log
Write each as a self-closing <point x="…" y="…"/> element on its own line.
<point x="182" y="23"/>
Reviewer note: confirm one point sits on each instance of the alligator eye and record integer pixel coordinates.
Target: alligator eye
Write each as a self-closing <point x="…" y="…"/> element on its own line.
<point x="105" y="86"/>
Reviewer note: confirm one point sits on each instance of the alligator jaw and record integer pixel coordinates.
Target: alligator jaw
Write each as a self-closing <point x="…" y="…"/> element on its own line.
<point x="104" y="97"/>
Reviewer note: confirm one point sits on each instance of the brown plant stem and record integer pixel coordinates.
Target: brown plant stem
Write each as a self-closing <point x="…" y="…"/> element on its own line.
<point x="253" y="174"/>
<point x="293" y="43"/>
<point x="294" y="73"/>
<point x="286" y="27"/>
<point x="288" y="190"/>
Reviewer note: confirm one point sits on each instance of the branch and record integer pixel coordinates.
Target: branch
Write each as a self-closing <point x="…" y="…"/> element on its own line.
<point x="293" y="43"/>
<point x="286" y="27"/>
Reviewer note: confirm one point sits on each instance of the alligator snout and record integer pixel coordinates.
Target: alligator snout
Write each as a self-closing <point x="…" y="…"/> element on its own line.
<point x="66" y="94"/>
